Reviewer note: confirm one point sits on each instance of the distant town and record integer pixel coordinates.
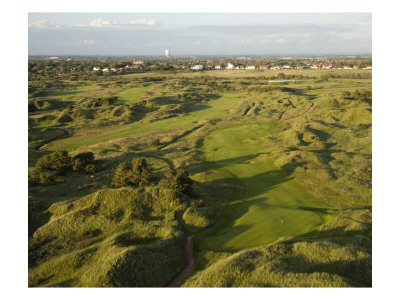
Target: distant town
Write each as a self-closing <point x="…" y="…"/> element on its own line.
<point x="59" y="65"/>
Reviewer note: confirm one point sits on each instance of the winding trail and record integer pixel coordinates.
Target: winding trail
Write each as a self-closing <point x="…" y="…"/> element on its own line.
<point x="189" y="262"/>
<point x="303" y="114"/>
<point x="66" y="131"/>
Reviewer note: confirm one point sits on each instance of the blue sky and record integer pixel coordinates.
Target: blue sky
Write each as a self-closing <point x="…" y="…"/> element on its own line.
<point x="199" y="33"/>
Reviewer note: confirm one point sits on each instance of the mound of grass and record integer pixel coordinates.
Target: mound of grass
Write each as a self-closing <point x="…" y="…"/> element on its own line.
<point x="122" y="260"/>
<point x="197" y="218"/>
<point x="338" y="256"/>
<point x="109" y="238"/>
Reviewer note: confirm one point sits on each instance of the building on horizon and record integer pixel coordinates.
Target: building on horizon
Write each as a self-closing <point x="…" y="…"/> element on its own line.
<point x="167" y="53"/>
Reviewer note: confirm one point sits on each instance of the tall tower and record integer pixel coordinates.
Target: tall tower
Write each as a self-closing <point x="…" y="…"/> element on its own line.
<point x="167" y="53"/>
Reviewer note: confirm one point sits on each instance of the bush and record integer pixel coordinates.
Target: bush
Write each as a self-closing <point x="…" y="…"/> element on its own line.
<point x="197" y="203"/>
<point x="81" y="160"/>
<point x="91" y="169"/>
<point x="346" y="94"/>
<point x="101" y="102"/>
<point x="362" y="126"/>
<point x="59" y="161"/>
<point x="281" y="76"/>
<point x="178" y="181"/>
<point x="136" y="173"/>
<point x="36" y="175"/>
<point x="155" y="143"/>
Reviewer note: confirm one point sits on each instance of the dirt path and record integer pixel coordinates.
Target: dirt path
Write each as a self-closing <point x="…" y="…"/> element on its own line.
<point x="303" y="114"/>
<point x="189" y="262"/>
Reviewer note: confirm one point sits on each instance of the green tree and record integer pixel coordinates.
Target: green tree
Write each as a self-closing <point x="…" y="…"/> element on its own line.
<point x="81" y="160"/>
<point x="59" y="161"/>
<point x="36" y="175"/>
<point x="136" y="173"/>
<point x="281" y="76"/>
<point x="178" y="181"/>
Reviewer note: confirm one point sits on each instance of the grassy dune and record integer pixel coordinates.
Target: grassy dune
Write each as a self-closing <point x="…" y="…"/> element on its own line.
<point x="338" y="256"/>
<point x="108" y="239"/>
<point x="213" y="109"/>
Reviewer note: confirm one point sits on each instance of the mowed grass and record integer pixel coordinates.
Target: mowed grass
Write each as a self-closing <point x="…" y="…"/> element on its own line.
<point x="131" y="95"/>
<point x="214" y="109"/>
<point x="271" y="203"/>
<point x="71" y="91"/>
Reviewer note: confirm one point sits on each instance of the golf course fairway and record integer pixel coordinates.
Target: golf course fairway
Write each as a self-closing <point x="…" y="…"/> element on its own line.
<point x="270" y="203"/>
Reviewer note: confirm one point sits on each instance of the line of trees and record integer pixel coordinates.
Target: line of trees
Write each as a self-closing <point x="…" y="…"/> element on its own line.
<point x="58" y="163"/>
<point x="138" y="174"/>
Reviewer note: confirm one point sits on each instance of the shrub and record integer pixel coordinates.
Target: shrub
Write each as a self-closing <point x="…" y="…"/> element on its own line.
<point x="178" y="181"/>
<point x="155" y="143"/>
<point x="91" y="169"/>
<point x="59" y="161"/>
<point x="346" y="94"/>
<point x="101" y="102"/>
<point x="362" y="126"/>
<point x="136" y="173"/>
<point x="31" y="106"/>
<point x="81" y="160"/>
<point x="40" y="176"/>
<point x="197" y="203"/>
<point x="281" y="76"/>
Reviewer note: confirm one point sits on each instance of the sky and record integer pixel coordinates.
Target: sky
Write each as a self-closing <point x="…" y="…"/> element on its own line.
<point x="138" y="34"/>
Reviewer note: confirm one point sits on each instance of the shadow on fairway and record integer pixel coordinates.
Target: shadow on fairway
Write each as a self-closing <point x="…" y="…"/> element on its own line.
<point x="252" y="187"/>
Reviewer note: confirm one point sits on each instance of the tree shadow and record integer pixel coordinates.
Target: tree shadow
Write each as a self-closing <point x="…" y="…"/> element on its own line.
<point x="234" y="190"/>
<point x="337" y="125"/>
<point x="322" y="135"/>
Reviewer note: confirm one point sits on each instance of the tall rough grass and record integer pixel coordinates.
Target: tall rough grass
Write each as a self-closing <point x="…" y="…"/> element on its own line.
<point x="338" y="256"/>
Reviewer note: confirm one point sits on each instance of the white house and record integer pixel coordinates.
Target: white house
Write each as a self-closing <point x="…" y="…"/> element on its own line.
<point x="230" y="67"/>
<point x="96" y="69"/>
<point x="197" y="67"/>
<point x="218" y="67"/>
<point x="275" y="68"/>
<point x="250" y="67"/>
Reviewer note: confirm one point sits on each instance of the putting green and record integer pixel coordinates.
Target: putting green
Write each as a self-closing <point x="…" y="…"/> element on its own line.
<point x="68" y="93"/>
<point x="272" y="205"/>
<point x="131" y="95"/>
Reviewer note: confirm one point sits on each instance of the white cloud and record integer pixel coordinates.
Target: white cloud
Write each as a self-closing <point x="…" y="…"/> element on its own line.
<point x="88" y="42"/>
<point x="245" y="41"/>
<point x="43" y="24"/>
<point x="281" y="41"/>
<point x="142" y="21"/>
<point x="100" y="22"/>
